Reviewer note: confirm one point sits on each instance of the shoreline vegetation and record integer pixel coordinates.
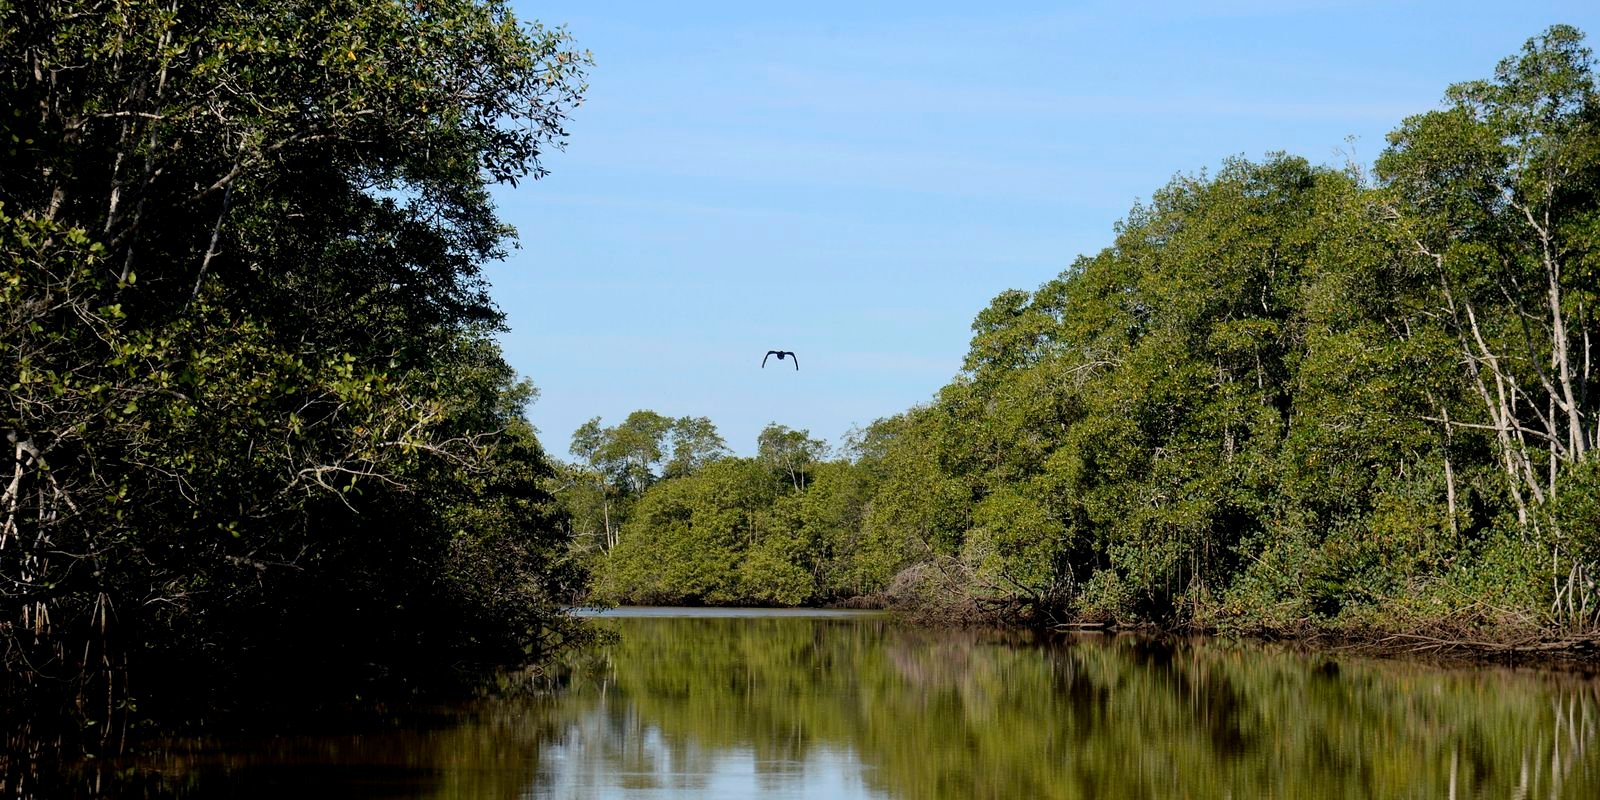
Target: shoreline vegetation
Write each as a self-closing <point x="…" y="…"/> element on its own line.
<point x="1342" y="405"/>
<point x="260" y="443"/>
<point x="1576" y="652"/>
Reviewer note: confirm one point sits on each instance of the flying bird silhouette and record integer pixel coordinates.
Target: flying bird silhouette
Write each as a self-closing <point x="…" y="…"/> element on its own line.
<point x="781" y="354"/>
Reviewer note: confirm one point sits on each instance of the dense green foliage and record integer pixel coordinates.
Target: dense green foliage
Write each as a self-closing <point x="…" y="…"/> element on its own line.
<point x="255" y="421"/>
<point x="707" y="527"/>
<point x="1285" y="396"/>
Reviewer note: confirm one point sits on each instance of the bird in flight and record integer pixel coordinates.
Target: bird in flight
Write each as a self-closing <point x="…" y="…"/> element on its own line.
<point x="781" y="354"/>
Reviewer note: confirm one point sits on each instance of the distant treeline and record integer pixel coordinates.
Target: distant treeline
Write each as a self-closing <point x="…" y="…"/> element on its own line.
<point x="257" y="431"/>
<point x="1287" y="396"/>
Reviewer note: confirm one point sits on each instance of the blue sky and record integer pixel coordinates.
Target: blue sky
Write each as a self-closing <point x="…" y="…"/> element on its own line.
<point x="855" y="181"/>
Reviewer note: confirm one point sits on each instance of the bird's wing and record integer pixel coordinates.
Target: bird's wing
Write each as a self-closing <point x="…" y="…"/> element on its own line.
<point x="796" y="361"/>
<point x="764" y="359"/>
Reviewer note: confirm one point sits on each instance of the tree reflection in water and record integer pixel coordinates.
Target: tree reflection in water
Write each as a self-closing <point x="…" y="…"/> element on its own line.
<point x="935" y="713"/>
<point x="792" y="707"/>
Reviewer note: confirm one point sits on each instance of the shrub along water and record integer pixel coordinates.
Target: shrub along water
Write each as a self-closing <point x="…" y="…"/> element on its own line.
<point x="1287" y="397"/>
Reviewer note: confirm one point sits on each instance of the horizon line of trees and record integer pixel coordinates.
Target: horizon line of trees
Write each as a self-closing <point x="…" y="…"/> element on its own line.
<point x="1285" y="396"/>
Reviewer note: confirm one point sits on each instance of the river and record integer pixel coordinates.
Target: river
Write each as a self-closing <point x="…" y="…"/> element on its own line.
<point x="736" y="704"/>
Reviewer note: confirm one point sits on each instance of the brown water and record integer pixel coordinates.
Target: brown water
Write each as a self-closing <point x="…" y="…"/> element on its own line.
<point x="690" y="704"/>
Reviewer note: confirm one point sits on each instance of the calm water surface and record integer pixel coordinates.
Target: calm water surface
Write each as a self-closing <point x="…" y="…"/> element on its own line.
<point x="694" y="704"/>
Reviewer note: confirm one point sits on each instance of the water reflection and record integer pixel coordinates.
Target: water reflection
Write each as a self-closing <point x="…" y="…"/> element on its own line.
<point x="856" y="707"/>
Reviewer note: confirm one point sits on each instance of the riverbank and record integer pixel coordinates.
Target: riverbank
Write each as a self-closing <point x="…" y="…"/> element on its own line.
<point x="1436" y="641"/>
<point x="1472" y="633"/>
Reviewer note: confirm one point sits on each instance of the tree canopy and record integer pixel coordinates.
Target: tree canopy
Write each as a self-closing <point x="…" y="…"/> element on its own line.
<point x="254" y="414"/>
